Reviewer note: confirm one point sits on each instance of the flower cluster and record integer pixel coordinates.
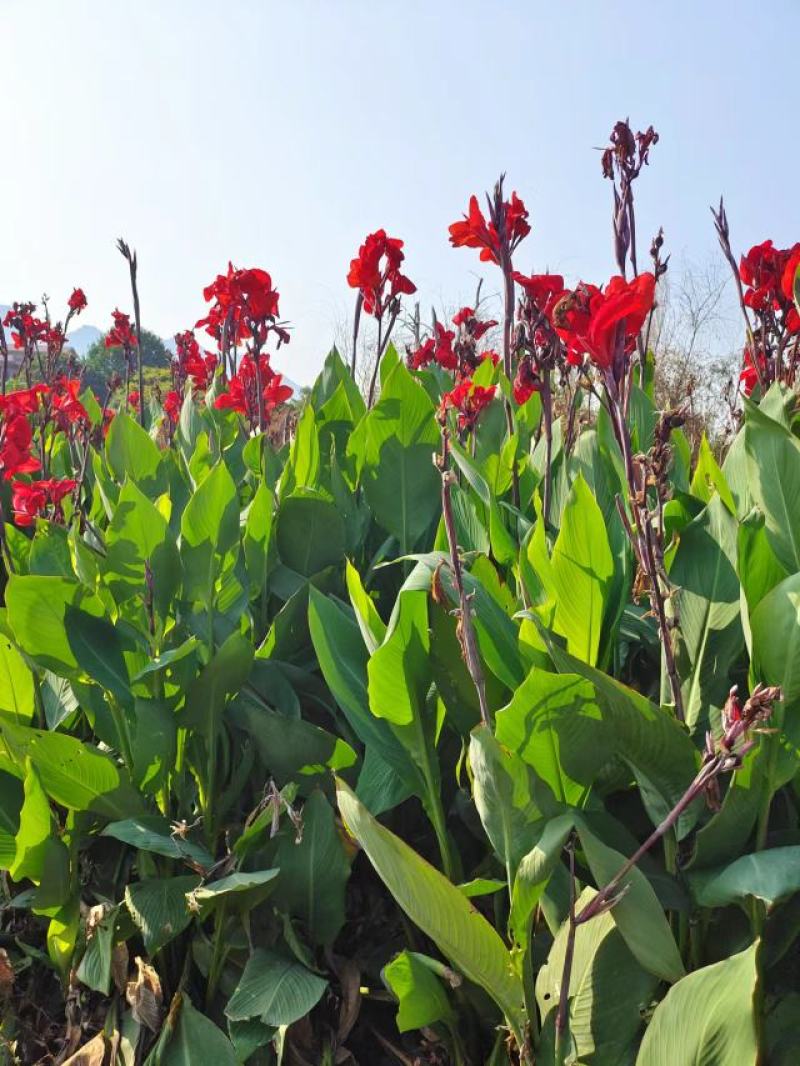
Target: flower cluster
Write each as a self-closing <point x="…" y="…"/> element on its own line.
<point x="33" y="499"/>
<point x="244" y="306"/>
<point x="122" y="333"/>
<point x="242" y="392"/>
<point x="767" y="275"/>
<point x="603" y="324"/>
<point x="499" y="236"/>
<point x="455" y="349"/>
<point x="468" y="400"/>
<point x="376" y="273"/>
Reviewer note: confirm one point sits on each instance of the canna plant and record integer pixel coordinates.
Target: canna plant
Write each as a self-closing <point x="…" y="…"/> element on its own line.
<point x="455" y="725"/>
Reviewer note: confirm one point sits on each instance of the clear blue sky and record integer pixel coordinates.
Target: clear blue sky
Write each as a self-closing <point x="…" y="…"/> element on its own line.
<point x="279" y="134"/>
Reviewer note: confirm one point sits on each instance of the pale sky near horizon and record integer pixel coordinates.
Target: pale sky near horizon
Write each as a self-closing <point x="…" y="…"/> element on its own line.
<point x="279" y="134"/>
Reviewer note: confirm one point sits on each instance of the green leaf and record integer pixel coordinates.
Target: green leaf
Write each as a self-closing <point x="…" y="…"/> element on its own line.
<point x="773" y="455"/>
<point x="533" y="873"/>
<point x="580" y="572"/>
<point x="708" y="478"/>
<point x="36" y="613"/>
<point x="73" y="774"/>
<point x="650" y="739"/>
<point x="314" y="872"/>
<point x="216" y="684"/>
<point x="710" y="633"/>
<point x="399" y="671"/>
<point x="554" y="722"/>
<point x="302" y="468"/>
<point x="35" y="830"/>
<point x="239" y="890"/>
<point x="209" y="531"/>
<point x="138" y="534"/>
<point x="98" y="650"/>
<point x="502" y="791"/>
<point x="437" y="907"/>
<point x="775" y="626"/>
<point x="637" y="913"/>
<point x="94" y="970"/>
<point x="150" y="833"/>
<point x="372" y="626"/>
<point x="257" y="530"/>
<point x="276" y="989"/>
<point x="17" y="695"/>
<point x="422" y="1000"/>
<point x="768" y="875"/>
<point x="310" y="534"/>
<point x="132" y="453"/>
<point x="400" y="436"/>
<point x="608" y="992"/>
<point x="189" y="1037"/>
<point x="707" y="1019"/>
<point x="159" y="908"/>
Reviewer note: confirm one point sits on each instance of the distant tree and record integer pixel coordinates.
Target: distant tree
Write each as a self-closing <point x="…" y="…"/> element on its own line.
<point x="101" y="362"/>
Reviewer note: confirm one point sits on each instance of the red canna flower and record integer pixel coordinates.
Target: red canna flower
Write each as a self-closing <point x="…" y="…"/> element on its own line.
<point x="16" y="439"/>
<point x="245" y="305"/>
<point x="172" y="406"/>
<point x="192" y="362"/>
<point x="788" y="288"/>
<point x="604" y="324"/>
<point x="122" y="333"/>
<point x="526" y="381"/>
<point x="27" y="330"/>
<point x="424" y="355"/>
<point x="242" y="393"/>
<point x="67" y="408"/>
<point x="468" y="400"/>
<point x="475" y="232"/>
<point x="133" y="400"/>
<point x="475" y="328"/>
<point x="31" y="499"/>
<point x="23" y="401"/>
<point x="751" y="370"/>
<point x="543" y="290"/>
<point x="375" y="272"/>
<point x="77" y="301"/>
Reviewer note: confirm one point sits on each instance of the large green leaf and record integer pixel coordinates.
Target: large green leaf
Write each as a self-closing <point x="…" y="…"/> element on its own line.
<point x="216" y="684"/>
<point x="768" y="875"/>
<point x="555" y="723"/>
<point x="707" y="1019"/>
<point x="502" y="788"/>
<point x="159" y="908"/>
<point x="637" y="913"/>
<point x="608" y="992"/>
<point x="533" y="873"/>
<point x="420" y="994"/>
<point x="775" y="627"/>
<point x="310" y="533"/>
<point x="774" y="472"/>
<point x="400" y="436"/>
<point x="36" y="613"/>
<point x="710" y="633"/>
<point x="189" y="1037"/>
<point x="580" y="572"/>
<point x="35" y="830"/>
<point x="648" y="738"/>
<point x="76" y="775"/>
<point x="139" y="536"/>
<point x="277" y="989"/>
<point x="17" y="696"/>
<point x="314" y="872"/>
<point x="131" y="453"/>
<point x="443" y="913"/>
<point x="209" y="531"/>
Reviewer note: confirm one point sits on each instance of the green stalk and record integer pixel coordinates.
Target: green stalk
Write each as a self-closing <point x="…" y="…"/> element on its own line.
<point x="219" y="951"/>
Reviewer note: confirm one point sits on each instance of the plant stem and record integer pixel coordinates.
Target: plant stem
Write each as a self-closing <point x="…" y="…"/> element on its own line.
<point x="566" y="973"/>
<point x="466" y="630"/>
